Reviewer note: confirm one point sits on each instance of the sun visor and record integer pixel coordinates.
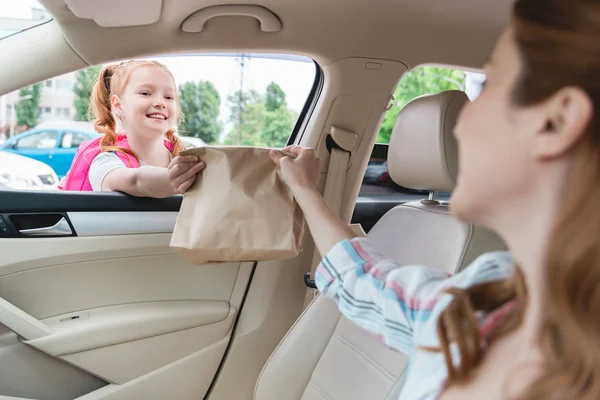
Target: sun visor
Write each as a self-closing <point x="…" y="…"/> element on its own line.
<point x="117" y="13"/>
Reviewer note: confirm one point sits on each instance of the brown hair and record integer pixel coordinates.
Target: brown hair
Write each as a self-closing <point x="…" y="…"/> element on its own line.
<point x="112" y="80"/>
<point x="559" y="46"/>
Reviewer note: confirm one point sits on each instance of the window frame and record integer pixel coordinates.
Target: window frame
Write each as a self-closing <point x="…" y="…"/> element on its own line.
<point x="27" y="201"/>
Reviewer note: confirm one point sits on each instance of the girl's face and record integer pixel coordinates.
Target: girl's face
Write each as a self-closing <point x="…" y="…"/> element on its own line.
<point x="147" y="105"/>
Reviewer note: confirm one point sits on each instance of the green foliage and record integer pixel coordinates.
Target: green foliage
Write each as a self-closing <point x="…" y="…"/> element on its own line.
<point x="278" y="125"/>
<point x="27" y="110"/>
<point x="415" y="83"/>
<point x="200" y="104"/>
<point x="260" y="120"/>
<point x="275" y="97"/>
<point x="85" y="80"/>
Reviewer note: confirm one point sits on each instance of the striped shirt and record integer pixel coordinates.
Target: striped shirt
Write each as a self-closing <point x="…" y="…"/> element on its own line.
<point x="400" y="305"/>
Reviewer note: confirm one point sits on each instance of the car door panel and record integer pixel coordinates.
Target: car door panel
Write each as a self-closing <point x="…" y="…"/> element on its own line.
<point x="35" y="375"/>
<point x="120" y="312"/>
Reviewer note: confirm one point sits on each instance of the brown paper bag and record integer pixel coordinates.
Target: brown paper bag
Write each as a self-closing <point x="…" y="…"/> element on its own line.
<point x="239" y="209"/>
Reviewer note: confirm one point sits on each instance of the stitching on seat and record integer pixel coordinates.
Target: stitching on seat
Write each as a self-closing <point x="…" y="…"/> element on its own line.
<point x="319" y="390"/>
<point x="395" y="384"/>
<point x="288" y="333"/>
<point x="365" y="356"/>
<point x="325" y="349"/>
<point x="445" y="160"/>
<point x="466" y="248"/>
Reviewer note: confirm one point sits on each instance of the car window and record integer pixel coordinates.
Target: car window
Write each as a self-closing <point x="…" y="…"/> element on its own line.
<point x="242" y="99"/>
<point x="426" y="80"/>
<point x="73" y="139"/>
<point x="17" y="16"/>
<point x="417" y="82"/>
<point x="226" y="99"/>
<point x="40" y="140"/>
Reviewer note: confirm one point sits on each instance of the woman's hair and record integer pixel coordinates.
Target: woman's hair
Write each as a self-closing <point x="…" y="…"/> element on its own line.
<point x="559" y="46"/>
<point x="112" y="80"/>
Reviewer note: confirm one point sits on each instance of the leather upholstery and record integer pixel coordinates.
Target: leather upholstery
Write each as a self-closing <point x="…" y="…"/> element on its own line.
<point x="423" y="152"/>
<point x="324" y="355"/>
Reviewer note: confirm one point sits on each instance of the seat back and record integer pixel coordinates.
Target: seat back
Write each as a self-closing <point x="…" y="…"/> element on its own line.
<point x="324" y="355"/>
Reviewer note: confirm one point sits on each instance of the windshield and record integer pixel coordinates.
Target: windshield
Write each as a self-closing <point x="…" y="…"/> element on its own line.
<point x="17" y="16"/>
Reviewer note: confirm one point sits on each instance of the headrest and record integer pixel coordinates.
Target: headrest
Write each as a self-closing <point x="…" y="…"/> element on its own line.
<point x="423" y="153"/>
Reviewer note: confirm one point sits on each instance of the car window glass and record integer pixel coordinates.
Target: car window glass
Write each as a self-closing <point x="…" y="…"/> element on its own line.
<point x="424" y="80"/>
<point x="73" y="139"/>
<point x="18" y="16"/>
<point x="41" y="140"/>
<point x="225" y="99"/>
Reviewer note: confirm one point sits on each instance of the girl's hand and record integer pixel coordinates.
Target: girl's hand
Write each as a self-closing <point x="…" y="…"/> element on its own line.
<point x="183" y="171"/>
<point x="300" y="170"/>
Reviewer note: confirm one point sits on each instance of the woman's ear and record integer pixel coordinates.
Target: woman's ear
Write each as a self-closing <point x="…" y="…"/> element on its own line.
<point x="567" y="115"/>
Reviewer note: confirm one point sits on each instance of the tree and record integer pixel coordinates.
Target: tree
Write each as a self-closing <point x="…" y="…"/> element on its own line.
<point x="275" y="97"/>
<point x="27" y="110"/>
<point x="246" y="110"/>
<point x="415" y="83"/>
<point x="85" y="80"/>
<point x="260" y="121"/>
<point x="200" y="104"/>
<point x="278" y="126"/>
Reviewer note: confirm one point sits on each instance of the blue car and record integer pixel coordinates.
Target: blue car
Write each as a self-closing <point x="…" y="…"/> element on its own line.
<point x="55" y="147"/>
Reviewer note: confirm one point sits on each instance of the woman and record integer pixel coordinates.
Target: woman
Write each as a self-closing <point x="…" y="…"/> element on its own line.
<point x="523" y="324"/>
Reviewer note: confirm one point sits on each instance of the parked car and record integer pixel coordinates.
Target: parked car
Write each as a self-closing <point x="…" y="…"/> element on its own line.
<point x="55" y="147"/>
<point x="189" y="141"/>
<point x="19" y="172"/>
<point x="375" y="171"/>
<point x="62" y="124"/>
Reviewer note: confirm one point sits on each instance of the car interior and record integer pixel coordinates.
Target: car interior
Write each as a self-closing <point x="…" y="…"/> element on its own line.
<point x="104" y="310"/>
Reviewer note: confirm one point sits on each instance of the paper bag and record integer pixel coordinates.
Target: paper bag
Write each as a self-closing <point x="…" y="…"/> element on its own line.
<point x="239" y="209"/>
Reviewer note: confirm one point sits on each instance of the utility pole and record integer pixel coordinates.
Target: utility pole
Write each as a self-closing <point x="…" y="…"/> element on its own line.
<point x="242" y="63"/>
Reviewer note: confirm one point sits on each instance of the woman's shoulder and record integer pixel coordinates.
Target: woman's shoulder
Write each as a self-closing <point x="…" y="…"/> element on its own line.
<point x="491" y="266"/>
<point x="488" y="267"/>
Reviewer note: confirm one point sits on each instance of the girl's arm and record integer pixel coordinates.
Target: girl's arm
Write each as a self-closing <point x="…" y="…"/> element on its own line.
<point x="149" y="181"/>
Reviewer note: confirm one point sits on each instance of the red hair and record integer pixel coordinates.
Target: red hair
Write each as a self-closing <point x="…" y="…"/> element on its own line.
<point x="112" y="80"/>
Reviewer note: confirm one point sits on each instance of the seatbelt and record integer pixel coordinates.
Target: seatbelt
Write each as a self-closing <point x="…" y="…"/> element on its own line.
<point x="343" y="143"/>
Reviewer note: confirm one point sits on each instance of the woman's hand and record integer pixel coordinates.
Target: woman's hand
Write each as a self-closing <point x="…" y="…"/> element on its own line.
<point x="183" y="171"/>
<point x="299" y="169"/>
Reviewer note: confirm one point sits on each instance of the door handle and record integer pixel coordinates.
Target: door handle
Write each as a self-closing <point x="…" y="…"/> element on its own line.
<point x="61" y="228"/>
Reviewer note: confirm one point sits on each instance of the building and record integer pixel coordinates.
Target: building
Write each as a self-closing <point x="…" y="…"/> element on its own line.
<point x="56" y="101"/>
<point x="57" y="98"/>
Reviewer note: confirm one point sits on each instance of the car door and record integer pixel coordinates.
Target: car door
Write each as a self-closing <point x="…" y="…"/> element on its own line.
<point x="65" y="152"/>
<point x="95" y="305"/>
<point x="39" y="144"/>
<point x="92" y="298"/>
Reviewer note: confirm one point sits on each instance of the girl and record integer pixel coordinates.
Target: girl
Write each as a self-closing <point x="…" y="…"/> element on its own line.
<point x="141" y="160"/>
<point x="529" y="169"/>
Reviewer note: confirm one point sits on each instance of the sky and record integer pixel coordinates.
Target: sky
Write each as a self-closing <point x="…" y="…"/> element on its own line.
<point x="294" y="77"/>
<point x="18" y="8"/>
